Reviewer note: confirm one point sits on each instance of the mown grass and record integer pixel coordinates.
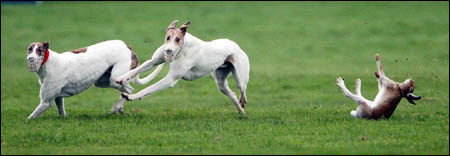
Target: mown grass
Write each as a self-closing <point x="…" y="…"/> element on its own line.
<point x="296" y="50"/>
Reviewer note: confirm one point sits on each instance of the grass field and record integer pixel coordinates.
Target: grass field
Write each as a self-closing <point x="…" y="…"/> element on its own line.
<point x="296" y="52"/>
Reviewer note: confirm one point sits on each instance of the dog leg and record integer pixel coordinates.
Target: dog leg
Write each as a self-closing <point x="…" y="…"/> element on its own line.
<point x="166" y="82"/>
<point x="157" y="58"/>
<point x="60" y="105"/>
<point x="43" y="106"/>
<point x="118" y="107"/>
<point x="241" y="73"/>
<point x="220" y="76"/>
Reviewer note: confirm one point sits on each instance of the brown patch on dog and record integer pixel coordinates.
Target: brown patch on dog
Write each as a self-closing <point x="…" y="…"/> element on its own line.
<point x="77" y="51"/>
<point x="31" y="47"/>
<point x="175" y="34"/>
<point x="134" y="59"/>
<point x="243" y="100"/>
<point x="230" y="59"/>
<point x="41" y="48"/>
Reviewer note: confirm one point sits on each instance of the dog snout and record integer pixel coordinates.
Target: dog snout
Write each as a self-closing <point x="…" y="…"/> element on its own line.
<point x="169" y="51"/>
<point x="30" y="59"/>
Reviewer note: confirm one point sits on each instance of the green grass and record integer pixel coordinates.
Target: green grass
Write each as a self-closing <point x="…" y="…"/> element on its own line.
<point x="296" y="52"/>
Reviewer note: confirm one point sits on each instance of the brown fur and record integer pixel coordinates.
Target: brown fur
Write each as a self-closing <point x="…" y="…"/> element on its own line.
<point x="230" y="59"/>
<point x="243" y="100"/>
<point x="394" y="94"/>
<point x="77" y="51"/>
<point x="175" y="33"/>
<point x="389" y="104"/>
<point x="134" y="59"/>
<point x="41" y="50"/>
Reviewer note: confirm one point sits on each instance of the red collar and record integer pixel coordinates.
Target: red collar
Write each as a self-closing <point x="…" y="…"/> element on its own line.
<point x="45" y="57"/>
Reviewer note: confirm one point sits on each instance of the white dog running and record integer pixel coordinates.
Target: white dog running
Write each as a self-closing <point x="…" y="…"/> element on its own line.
<point x="70" y="73"/>
<point x="191" y="58"/>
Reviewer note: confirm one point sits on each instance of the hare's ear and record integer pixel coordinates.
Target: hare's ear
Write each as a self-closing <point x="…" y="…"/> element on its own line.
<point x="183" y="28"/>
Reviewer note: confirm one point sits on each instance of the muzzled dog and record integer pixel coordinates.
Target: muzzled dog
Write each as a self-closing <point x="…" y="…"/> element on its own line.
<point x="191" y="58"/>
<point x="70" y="73"/>
<point x="389" y="95"/>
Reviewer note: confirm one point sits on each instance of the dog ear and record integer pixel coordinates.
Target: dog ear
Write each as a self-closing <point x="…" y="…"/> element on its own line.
<point x="172" y="25"/>
<point x="184" y="27"/>
<point x="46" y="45"/>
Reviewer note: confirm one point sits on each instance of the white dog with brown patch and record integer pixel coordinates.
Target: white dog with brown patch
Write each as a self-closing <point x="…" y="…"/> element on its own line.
<point x="70" y="73"/>
<point x="191" y="58"/>
<point x="389" y="95"/>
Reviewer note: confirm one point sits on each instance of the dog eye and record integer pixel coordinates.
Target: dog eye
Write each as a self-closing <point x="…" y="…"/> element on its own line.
<point x="177" y="39"/>
<point x="168" y="38"/>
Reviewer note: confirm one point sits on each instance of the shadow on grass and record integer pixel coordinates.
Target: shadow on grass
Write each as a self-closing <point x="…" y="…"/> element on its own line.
<point x="155" y="116"/>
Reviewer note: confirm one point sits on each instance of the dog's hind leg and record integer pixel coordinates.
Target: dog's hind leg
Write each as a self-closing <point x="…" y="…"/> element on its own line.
<point x="241" y="73"/>
<point x="220" y="76"/>
<point x="60" y="105"/>
<point x="120" y="68"/>
<point x="118" y="107"/>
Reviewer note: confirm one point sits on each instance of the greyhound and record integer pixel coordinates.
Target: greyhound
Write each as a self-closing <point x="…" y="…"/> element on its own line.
<point x="191" y="58"/>
<point x="389" y="95"/>
<point x="70" y="73"/>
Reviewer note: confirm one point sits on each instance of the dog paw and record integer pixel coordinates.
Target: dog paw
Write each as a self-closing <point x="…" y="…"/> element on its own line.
<point x="125" y="95"/>
<point x="243" y="102"/>
<point x="115" y="110"/>
<point x="121" y="81"/>
<point x="377" y="57"/>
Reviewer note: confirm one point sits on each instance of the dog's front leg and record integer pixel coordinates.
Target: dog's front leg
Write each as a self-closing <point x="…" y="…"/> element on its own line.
<point x="157" y="58"/>
<point x="166" y="82"/>
<point x="43" y="106"/>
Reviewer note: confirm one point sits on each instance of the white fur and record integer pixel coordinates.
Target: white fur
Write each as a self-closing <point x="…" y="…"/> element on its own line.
<point x="194" y="59"/>
<point x="68" y="74"/>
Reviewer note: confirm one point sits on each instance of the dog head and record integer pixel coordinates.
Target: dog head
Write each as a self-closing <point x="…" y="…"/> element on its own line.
<point x="175" y="38"/>
<point x="36" y="54"/>
<point x="407" y="89"/>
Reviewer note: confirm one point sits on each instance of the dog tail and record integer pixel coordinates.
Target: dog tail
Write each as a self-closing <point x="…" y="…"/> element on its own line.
<point x="150" y="77"/>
